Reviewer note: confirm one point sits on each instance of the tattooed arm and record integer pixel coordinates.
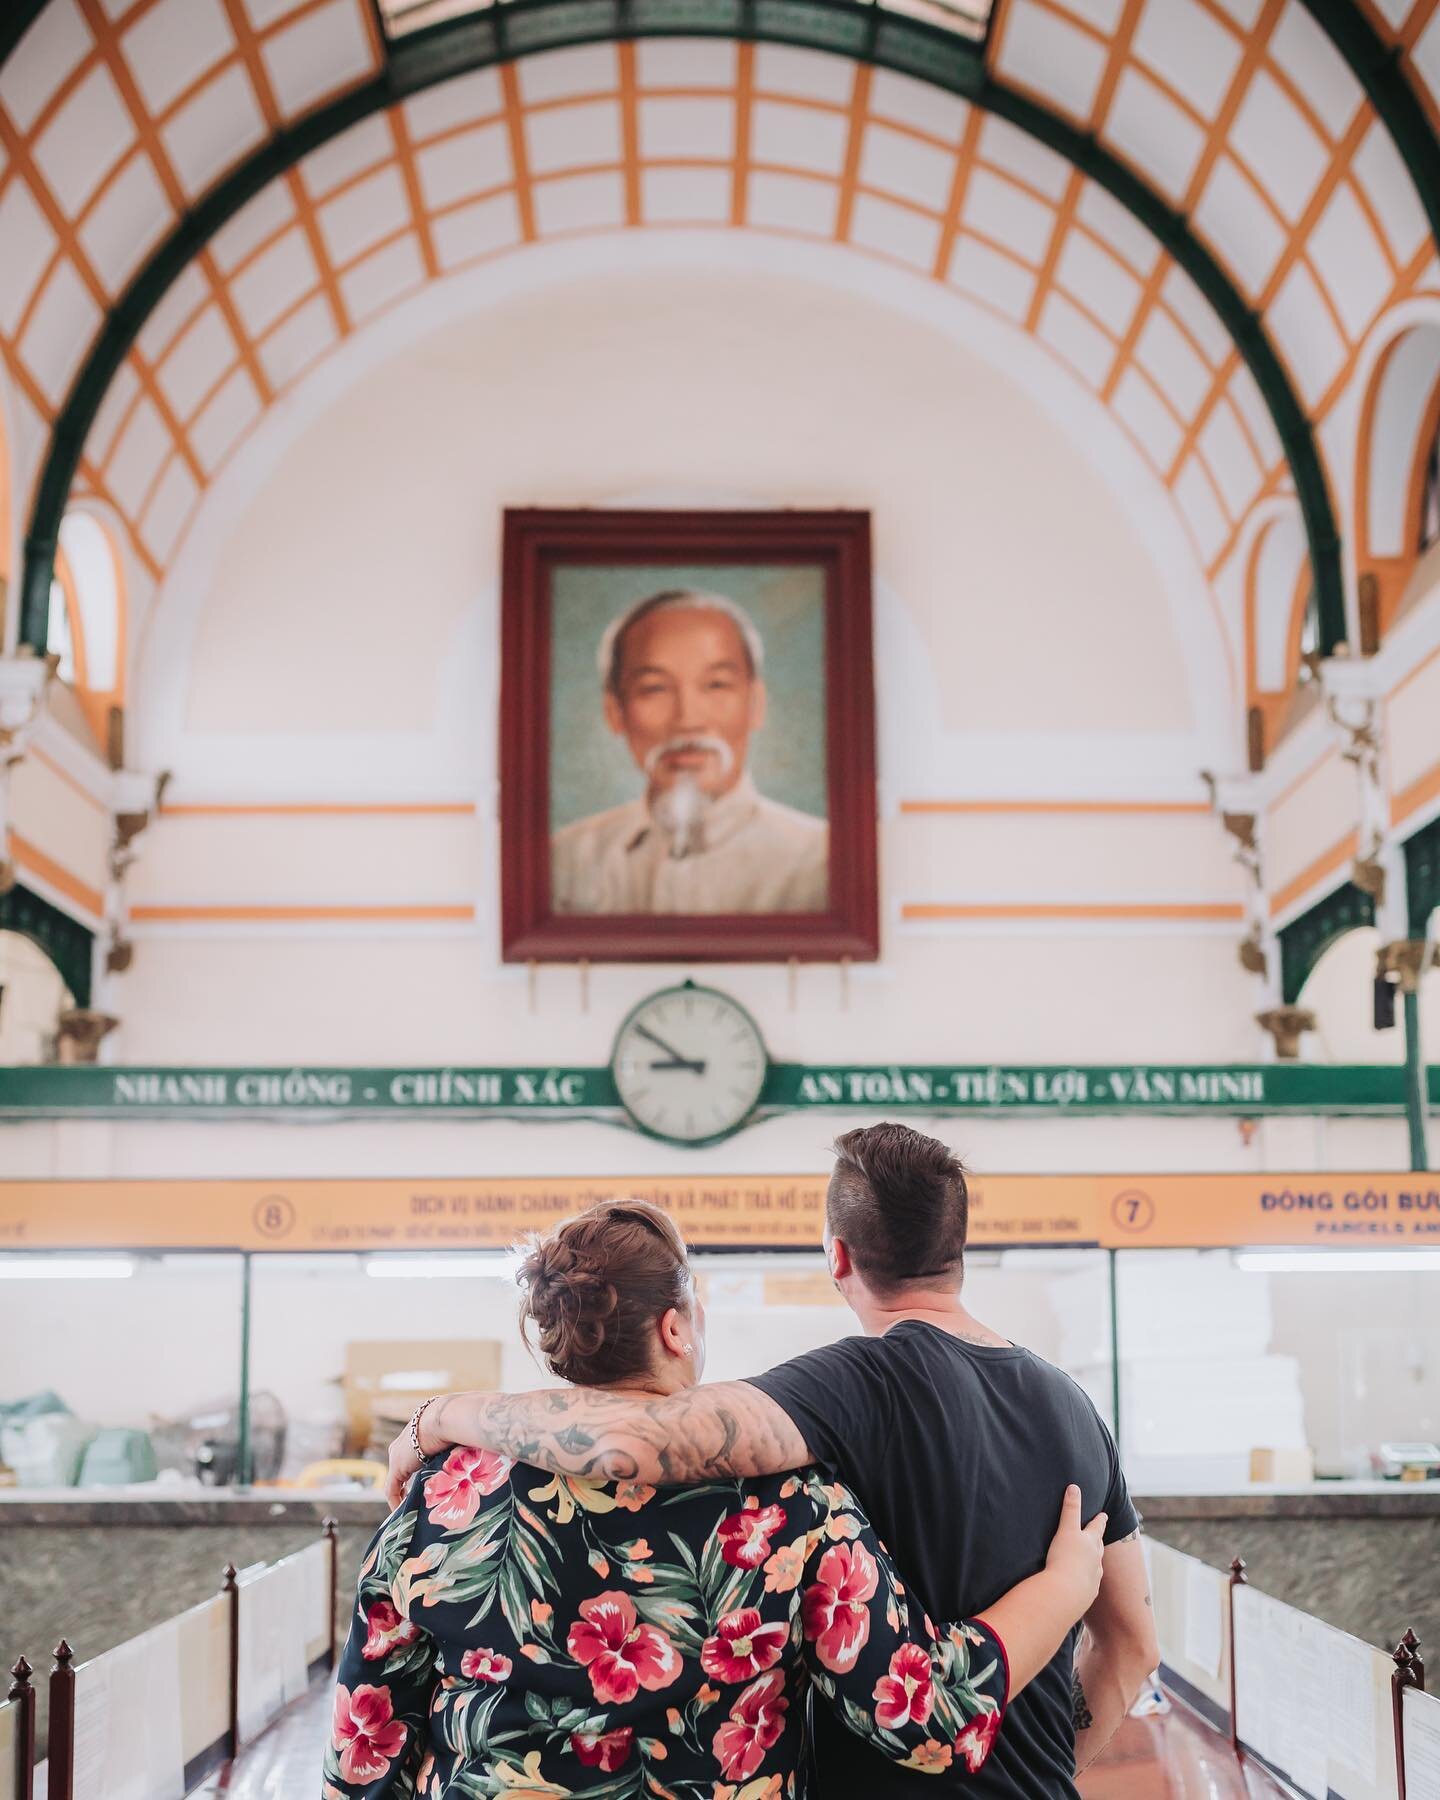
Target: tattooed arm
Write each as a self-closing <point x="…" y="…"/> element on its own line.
<point x="728" y="1429"/>
<point x="1117" y="1651"/>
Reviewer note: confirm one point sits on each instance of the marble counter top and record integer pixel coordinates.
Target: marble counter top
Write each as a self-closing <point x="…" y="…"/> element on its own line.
<point x="148" y="1505"/>
<point x="1312" y="1500"/>
<point x="194" y="1505"/>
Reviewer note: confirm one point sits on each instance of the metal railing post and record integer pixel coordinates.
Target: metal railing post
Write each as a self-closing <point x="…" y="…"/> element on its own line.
<point x="23" y="1696"/>
<point x="1409" y="1672"/>
<point x="1238" y="1579"/>
<point x="62" y="1725"/>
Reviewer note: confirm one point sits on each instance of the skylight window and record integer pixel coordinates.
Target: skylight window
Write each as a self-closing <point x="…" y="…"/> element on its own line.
<point x="969" y="18"/>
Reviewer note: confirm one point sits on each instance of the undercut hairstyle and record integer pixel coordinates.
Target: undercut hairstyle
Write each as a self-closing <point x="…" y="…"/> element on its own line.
<point x="611" y="658"/>
<point x="900" y="1202"/>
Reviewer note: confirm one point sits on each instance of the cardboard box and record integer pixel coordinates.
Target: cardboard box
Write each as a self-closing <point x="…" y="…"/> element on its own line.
<point x="1292" y="1468"/>
<point x="385" y="1381"/>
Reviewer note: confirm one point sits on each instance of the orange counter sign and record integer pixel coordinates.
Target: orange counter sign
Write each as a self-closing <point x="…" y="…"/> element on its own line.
<point x="760" y="1212"/>
<point x="1319" y="1211"/>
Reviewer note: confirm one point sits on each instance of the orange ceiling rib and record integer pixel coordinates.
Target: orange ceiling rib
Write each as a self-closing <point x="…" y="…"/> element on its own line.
<point x="958" y="200"/>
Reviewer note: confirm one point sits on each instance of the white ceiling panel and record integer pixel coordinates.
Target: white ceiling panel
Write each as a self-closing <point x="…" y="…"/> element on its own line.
<point x="321" y="53"/>
<point x="65" y="150"/>
<point x="686" y="127"/>
<point x="580" y="202"/>
<point x="303" y="339"/>
<point x="898" y="163"/>
<point x="274" y="281"/>
<point x="1047" y="54"/>
<point x="1139" y="404"/>
<point x="1146" y="126"/>
<point x="125" y="224"/>
<point x="895" y="231"/>
<point x="173" y="44"/>
<point x="471" y="163"/>
<point x="987" y="275"/>
<point x="382" y="278"/>
<point x="1077" y="339"/>
<point x="29" y="245"/>
<point x="1014" y="219"/>
<point x="60" y="331"/>
<point x="686" y="196"/>
<point x="573" y="137"/>
<point x="214" y="130"/>
<point x="478" y="230"/>
<point x="791" y="203"/>
<point x="1277" y="144"/>
<point x="1191" y="49"/>
<point x="53" y="47"/>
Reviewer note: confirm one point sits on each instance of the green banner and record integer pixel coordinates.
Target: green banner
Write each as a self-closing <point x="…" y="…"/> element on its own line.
<point x="458" y="1092"/>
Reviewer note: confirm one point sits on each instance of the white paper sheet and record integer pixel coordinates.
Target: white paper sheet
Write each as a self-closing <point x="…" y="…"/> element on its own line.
<point x="315" y="1564"/>
<point x="127" y="1721"/>
<point x="1281" y="1688"/>
<point x="273" y="1634"/>
<point x="1204" y="1590"/>
<point x="1422" y="1746"/>
<point x="1350" y="1672"/>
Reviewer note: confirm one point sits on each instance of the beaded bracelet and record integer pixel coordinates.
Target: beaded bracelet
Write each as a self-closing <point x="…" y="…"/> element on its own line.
<point x="415" y="1425"/>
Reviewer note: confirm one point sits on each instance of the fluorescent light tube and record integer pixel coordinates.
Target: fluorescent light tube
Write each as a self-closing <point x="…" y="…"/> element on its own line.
<point x="492" y="1265"/>
<point x="37" y="1265"/>
<point x="1337" y="1262"/>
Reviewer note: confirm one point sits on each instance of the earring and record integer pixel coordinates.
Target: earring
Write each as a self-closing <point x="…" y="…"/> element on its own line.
<point x="689" y="1349"/>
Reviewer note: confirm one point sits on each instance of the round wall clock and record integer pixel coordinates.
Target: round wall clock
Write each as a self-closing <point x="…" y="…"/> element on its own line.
<point x="689" y="1064"/>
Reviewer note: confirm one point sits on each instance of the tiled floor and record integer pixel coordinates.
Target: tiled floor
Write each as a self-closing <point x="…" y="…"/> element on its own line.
<point x="1173" y="1757"/>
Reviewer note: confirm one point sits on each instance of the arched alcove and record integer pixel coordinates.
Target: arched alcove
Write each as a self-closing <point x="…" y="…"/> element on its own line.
<point x="1397" y="497"/>
<point x="87" y="620"/>
<point x="1280" y="625"/>
<point x="1339" y="992"/>
<point x="33" y="995"/>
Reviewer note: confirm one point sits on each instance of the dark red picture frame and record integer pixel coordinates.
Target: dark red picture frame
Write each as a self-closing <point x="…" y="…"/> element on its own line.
<point x="537" y="540"/>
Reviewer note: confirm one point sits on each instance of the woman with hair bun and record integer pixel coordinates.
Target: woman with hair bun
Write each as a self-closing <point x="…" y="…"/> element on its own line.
<point x="529" y="1636"/>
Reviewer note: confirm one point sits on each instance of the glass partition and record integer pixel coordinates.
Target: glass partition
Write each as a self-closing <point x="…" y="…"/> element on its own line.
<point x="115" y="1369"/>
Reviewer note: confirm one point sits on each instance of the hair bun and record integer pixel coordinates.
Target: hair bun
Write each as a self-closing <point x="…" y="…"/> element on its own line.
<point x="571" y="1301"/>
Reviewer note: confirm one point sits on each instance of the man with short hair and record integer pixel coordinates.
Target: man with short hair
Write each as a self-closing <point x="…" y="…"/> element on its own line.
<point x="957" y="1441"/>
<point x="683" y="682"/>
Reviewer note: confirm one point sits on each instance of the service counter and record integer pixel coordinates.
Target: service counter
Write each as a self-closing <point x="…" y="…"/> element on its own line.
<point x="1363" y="1556"/>
<point x="98" y="1567"/>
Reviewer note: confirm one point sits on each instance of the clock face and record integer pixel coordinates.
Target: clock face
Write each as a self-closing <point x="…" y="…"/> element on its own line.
<point x="689" y="1063"/>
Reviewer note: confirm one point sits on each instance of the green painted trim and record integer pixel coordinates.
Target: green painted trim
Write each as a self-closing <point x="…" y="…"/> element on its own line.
<point x="1422" y="876"/>
<point x="19" y="16"/>
<point x="68" y="943"/>
<point x="328" y="1093"/>
<point x="1376" y="65"/>
<point x="1306" y="939"/>
<point x="855" y="28"/>
<point x="1415" y="1084"/>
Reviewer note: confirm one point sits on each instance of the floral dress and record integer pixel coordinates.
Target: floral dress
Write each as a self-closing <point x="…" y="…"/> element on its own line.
<point x="521" y="1636"/>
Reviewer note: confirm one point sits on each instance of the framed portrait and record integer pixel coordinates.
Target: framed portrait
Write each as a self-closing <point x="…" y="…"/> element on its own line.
<point x="687" y="737"/>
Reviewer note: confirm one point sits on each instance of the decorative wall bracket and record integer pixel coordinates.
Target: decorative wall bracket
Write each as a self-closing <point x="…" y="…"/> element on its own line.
<point x="1353" y="707"/>
<point x="82" y="1031"/>
<point x="1407" y="960"/>
<point x="23" y="680"/>
<point x="1286" y="1025"/>
<point x="1236" y="805"/>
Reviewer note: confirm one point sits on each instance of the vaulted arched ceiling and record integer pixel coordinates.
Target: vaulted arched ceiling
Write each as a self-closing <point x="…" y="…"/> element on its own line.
<point x="201" y="198"/>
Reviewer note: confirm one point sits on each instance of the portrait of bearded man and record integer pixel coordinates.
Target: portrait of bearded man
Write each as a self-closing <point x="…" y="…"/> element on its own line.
<point x="682" y="677"/>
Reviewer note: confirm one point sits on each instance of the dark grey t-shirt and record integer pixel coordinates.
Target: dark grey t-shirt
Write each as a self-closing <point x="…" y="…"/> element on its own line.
<point x="960" y="1453"/>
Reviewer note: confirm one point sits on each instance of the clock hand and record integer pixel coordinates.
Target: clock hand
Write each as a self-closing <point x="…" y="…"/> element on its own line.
<point x="681" y="1062"/>
<point x="659" y="1042"/>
